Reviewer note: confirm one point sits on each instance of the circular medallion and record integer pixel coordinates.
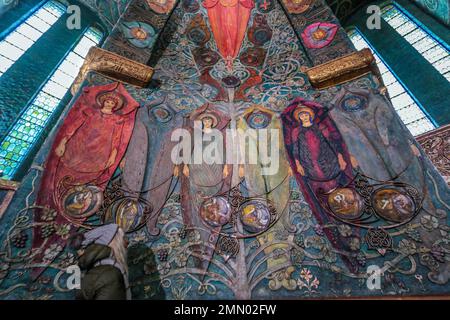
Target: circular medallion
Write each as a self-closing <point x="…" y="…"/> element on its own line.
<point x="197" y="35"/>
<point x="205" y="57"/>
<point x="319" y="34"/>
<point x="82" y="201"/>
<point x="345" y="203"/>
<point x="393" y="205"/>
<point x="253" y="57"/>
<point x="258" y="120"/>
<point x="128" y="213"/>
<point x="255" y="216"/>
<point x="231" y="82"/>
<point x="215" y="211"/>
<point x="139" y="33"/>
<point x="161" y="114"/>
<point x="353" y="103"/>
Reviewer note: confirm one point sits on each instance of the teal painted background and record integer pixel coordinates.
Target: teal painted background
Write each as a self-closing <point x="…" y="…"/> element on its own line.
<point x="162" y="265"/>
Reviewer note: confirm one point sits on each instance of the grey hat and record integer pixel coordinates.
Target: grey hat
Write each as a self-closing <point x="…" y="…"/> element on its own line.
<point x="101" y="235"/>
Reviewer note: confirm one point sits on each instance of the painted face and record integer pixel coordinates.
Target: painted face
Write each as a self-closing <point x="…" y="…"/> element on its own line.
<point x="139" y="33"/>
<point x="207" y="122"/>
<point x="305" y="118"/>
<point x="319" y="34"/>
<point x="109" y="104"/>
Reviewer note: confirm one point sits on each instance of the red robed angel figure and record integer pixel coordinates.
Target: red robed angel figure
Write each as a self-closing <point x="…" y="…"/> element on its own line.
<point x="319" y="159"/>
<point x="86" y="152"/>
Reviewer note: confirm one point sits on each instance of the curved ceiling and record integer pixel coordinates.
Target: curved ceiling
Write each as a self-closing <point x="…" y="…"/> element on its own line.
<point x="110" y="11"/>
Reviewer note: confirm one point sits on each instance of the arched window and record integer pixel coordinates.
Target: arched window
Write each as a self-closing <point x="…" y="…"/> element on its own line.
<point x="404" y="103"/>
<point x="28" y="32"/>
<point x="429" y="46"/>
<point x="35" y="119"/>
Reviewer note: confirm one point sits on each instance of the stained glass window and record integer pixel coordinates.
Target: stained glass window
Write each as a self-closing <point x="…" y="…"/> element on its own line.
<point x="405" y="105"/>
<point x="16" y="145"/>
<point x="13" y="46"/>
<point x="425" y="43"/>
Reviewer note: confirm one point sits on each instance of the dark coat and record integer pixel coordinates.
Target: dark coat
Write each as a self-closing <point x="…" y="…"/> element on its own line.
<point x="104" y="282"/>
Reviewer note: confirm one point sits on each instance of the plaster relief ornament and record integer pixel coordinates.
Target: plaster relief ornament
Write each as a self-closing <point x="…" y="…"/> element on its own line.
<point x="161" y="6"/>
<point x="229" y="20"/>
<point x="139" y="34"/>
<point x="297" y="6"/>
<point x="319" y="34"/>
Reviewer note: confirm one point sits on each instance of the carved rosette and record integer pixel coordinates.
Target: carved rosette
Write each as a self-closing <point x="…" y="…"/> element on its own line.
<point x="341" y="70"/>
<point x="113" y="66"/>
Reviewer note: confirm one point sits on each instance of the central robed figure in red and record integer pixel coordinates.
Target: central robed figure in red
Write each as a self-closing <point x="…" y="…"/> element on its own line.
<point x="228" y="20"/>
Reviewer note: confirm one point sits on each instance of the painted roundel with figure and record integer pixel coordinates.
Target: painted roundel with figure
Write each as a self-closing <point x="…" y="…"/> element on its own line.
<point x="128" y="213"/>
<point x="255" y="216"/>
<point x="82" y="201"/>
<point x="346" y="203"/>
<point x="393" y="205"/>
<point x="215" y="211"/>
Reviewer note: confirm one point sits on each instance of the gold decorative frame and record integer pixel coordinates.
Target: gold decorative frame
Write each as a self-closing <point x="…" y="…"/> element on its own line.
<point x="115" y="67"/>
<point x="340" y="70"/>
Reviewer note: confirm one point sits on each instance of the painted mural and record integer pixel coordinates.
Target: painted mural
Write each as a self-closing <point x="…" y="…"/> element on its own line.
<point x="353" y="189"/>
<point x="7" y="5"/>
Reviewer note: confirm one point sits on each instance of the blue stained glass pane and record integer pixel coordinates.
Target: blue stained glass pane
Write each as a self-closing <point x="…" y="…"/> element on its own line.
<point x="15" y="146"/>
<point x="19" y="40"/>
<point x="10" y="51"/>
<point x="408" y="110"/>
<point x="38" y="24"/>
<point x="420" y="39"/>
<point x="28" y="32"/>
